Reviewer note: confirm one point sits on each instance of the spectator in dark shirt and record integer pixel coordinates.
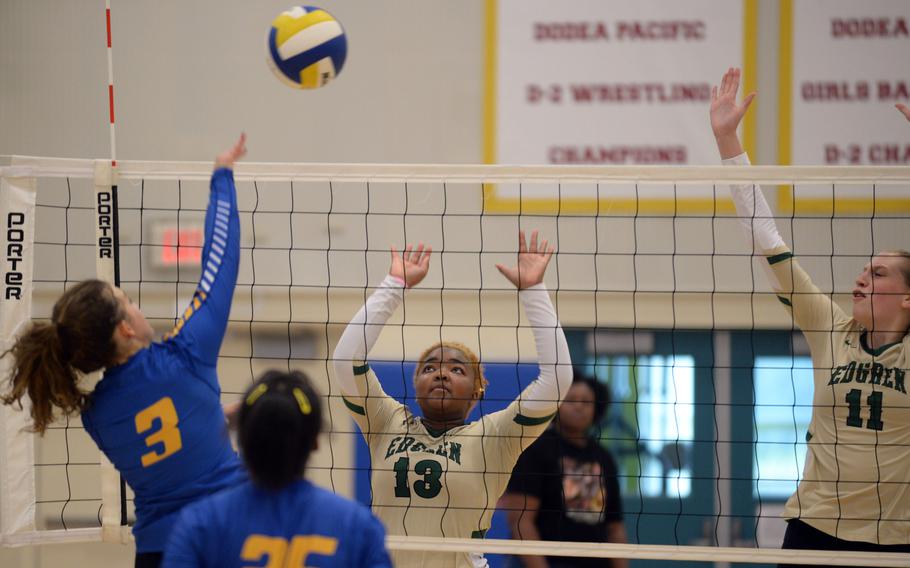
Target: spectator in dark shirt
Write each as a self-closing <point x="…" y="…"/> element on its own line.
<point x="564" y="486"/>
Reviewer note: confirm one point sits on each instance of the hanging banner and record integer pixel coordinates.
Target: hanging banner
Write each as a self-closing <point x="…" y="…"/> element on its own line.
<point x="609" y="83"/>
<point x="843" y="66"/>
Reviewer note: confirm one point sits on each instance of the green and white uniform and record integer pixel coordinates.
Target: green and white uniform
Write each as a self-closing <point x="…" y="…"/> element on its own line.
<point x="856" y="481"/>
<point x="445" y="484"/>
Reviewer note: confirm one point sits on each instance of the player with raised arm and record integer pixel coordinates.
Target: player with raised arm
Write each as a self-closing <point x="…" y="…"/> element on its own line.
<point x="277" y="518"/>
<point x="436" y="475"/>
<point x="855" y="489"/>
<point x="156" y="414"/>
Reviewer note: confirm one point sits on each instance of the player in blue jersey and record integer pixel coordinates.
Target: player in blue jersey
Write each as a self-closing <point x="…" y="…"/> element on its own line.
<point x="277" y="518"/>
<point x="156" y="414"/>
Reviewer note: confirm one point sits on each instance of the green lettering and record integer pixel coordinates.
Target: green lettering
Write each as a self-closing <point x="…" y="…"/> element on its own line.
<point x="441" y="450"/>
<point x="455" y="452"/>
<point x="848" y="375"/>
<point x="835" y="374"/>
<point x="862" y="372"/>
<point x="899" y="375"/>
<point x="877" y="371"/>
<point x="405" y="444"/>
<point x="887" y="382"/>
<point x="391" y="449"/>
<point x="418" y="447"/>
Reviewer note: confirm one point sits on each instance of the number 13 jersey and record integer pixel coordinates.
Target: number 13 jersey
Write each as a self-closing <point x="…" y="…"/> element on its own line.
<point x="445" y="484"/>
<point x="438" y="483"/>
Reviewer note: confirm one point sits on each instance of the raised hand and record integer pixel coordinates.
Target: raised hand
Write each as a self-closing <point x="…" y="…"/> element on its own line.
<point x="532" y="262"/>
<point x="904" y="110"/>
<point x="726" y="113"/>
<point x="227" y="158"/>
<point x="412" y="265"/>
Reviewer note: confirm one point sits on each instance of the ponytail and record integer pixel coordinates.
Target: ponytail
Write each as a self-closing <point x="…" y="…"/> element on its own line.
<point x="42" y="373"/>
<point x="48" y="357"/>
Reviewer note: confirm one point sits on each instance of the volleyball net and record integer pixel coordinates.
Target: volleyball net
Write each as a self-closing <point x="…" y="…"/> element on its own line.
<point x="660" y="293"/>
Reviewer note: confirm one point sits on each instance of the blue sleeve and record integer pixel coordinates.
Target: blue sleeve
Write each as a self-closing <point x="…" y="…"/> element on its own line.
<point x="374" y="554"/>
<point x="202" y="326"/>
<point x="182" y="545"/>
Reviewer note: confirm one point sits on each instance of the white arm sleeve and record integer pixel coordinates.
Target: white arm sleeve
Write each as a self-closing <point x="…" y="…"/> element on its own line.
<point x="544" y="395"/>
<point x="361" y="334"/>
<point x="755" y="218"/>
<point x="753" y="211"/>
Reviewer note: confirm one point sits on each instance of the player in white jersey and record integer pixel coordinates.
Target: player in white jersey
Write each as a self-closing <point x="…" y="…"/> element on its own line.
<point x="855" y="488"/>
<point x="435" y="475"/>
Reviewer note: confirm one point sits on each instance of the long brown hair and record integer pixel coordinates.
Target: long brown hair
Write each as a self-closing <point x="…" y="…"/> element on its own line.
<point x="48" y="357"/>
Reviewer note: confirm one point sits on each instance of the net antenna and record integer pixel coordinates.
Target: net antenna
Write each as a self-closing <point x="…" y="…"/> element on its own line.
<point x="113" y="497"/>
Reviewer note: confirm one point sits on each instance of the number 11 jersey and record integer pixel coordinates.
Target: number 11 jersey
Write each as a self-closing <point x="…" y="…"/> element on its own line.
<point x="856" y="482"/>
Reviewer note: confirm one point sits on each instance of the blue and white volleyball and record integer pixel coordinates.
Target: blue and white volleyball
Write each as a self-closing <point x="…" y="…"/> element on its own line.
<point x="307" y="47"/>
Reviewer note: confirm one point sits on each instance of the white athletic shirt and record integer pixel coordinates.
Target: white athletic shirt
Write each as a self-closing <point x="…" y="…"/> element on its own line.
<point x="856" y="481"/>
<point x="446" y="484"/>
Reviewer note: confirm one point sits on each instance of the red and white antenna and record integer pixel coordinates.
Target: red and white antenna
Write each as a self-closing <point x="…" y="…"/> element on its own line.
<point x="110" y="81"/>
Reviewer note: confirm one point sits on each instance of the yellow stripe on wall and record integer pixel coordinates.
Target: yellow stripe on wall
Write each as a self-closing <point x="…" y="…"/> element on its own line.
<point x="489" y="84"/>
<point x="750" y="71"/>
<point x="489" y="97"/>
<point x="785" y="101"/>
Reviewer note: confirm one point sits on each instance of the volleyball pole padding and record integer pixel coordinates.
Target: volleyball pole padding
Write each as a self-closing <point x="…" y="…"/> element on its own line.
<point x="17" y="446"/>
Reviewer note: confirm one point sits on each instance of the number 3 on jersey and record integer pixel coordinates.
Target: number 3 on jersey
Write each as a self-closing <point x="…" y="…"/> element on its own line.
<point x="167" y="434"/>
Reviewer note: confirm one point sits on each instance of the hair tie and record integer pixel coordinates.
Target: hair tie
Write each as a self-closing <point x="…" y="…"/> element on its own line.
<point x="302" y="401"/>
<point x="256" y="393"/>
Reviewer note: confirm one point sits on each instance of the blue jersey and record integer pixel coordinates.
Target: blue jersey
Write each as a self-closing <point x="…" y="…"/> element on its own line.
<point x="300" y="525"/>
<point x="158" y="417"/>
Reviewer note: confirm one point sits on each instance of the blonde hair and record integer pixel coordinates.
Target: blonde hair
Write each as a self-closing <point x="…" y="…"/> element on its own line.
<point x="905" y="266"/>
<point x="480" y="381"/>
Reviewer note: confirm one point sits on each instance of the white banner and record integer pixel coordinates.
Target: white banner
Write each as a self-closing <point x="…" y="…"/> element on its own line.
<point x="850" y="65"/>
<point x="17" y="454"/>
<point x="620" y="82"/>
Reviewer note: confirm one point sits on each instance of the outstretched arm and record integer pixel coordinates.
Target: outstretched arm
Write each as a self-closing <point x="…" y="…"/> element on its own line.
<point x="751" y="207"/>
<point x="202" y="326"/>
<point x="811" y="309"/>
<point x="541" y="398"/>
<point x="349" y="359"/>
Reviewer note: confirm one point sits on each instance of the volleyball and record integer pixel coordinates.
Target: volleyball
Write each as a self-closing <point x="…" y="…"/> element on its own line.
<point x="306" y="47"/>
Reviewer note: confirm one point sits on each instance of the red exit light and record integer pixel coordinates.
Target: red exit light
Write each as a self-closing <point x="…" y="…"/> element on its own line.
<point x="183" y="247"/>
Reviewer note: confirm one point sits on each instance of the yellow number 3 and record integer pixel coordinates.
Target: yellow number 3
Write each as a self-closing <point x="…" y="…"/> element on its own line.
<point x="168" y="434"/>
